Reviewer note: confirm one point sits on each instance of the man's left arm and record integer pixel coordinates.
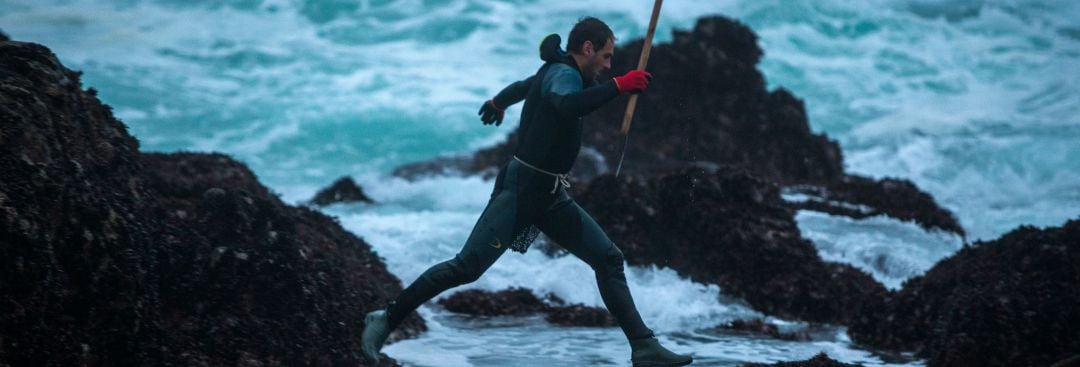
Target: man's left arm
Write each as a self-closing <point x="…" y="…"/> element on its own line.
<point x="563" y="88"/>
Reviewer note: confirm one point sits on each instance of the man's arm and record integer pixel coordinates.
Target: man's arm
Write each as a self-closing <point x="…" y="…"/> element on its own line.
<point x="562" y="86"/>
<point x="492" y="110"/>
<point x="513" y="93"/>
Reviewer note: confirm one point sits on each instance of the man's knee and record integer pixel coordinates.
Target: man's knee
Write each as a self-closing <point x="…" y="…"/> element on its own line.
<point x="611" y="261"/>
<point x="457" y="271"/>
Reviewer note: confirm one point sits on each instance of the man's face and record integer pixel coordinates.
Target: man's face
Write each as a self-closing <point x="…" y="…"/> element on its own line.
<point x="599" y="60"/>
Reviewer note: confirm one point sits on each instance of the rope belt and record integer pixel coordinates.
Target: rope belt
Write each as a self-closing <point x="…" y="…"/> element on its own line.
<point x="559" y="178"/>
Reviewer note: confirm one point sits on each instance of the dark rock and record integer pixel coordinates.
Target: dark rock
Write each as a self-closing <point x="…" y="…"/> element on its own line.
<point x="522" y="302"/>
<point x="580" y="315"/>
<point x="820" y="360"/>
<point x="114" y="257"/>
<point x="896" y="198"/>
<point x="760" y="327"/>
<point x="709" y="103"/>
<point x="243" y="254"/>
<point x="343" y="190"/>
<point x="1073" y="361"/>
<point x="1008" y="302"/>
<point x="508" y="302"/>
<point x="731" y="229"/>
<point x="78" y="248"/>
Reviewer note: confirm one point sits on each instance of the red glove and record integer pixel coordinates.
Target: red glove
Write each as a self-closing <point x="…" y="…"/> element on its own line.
<point x="633" y="82"/>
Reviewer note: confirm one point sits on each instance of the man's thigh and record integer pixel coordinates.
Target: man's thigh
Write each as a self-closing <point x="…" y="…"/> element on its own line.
<point x="490" y="236"/>
<point x="576" y="231"/>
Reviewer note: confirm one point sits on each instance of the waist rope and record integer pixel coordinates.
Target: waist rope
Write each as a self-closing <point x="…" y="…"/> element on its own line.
<point x="559" y="178"/>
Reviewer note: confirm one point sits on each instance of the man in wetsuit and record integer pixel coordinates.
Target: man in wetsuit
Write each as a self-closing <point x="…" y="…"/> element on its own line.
<point x="530" y="191"/>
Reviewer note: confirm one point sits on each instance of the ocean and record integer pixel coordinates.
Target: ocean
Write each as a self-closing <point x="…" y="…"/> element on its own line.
<point x="974" y="101"/>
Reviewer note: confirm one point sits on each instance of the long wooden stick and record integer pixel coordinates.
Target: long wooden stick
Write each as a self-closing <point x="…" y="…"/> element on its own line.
<point x="641" y="65"/>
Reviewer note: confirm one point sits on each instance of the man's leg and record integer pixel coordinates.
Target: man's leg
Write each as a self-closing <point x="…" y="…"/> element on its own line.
<point x="489" y="240"/>
<point x="572" y="228"/>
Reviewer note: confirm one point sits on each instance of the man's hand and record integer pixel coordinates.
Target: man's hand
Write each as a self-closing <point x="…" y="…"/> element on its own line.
<point x="636" y="81"/>
<point x="490" y="113"/>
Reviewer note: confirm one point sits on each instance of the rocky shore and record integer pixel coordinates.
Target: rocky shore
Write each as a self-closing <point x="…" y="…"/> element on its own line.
<point x="111" y="256"/>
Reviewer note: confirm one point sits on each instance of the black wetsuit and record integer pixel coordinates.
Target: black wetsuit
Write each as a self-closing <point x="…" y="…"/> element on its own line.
<point x="526" y="200"/>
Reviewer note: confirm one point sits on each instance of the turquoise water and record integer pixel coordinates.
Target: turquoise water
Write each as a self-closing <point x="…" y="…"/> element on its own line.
<point x="975" y="101"/>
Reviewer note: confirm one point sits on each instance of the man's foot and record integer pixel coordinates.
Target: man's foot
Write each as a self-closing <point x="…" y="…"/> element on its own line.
<point x="376" y="329"/>
<point x="649" y="352"/>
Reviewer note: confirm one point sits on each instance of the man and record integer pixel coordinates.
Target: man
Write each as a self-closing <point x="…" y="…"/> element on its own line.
<point x="530" y="190"/>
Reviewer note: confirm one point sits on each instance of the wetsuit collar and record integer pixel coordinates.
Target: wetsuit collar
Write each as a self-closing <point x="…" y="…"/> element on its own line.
<point x="569" y="60"/>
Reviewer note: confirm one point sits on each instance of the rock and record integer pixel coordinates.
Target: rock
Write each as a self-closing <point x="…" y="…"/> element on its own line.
<point x="731" y="229"/>
<point x="820" y="360"/>
<point x="78" y="251"/>
<point x="344" y="190"/>
<point x="893" y="197"/>
<point x="760" y="327"/>
<point x="522" y="302"/>
<point x="1008" y="302"/>
<point x="285" y="270"/>
<point x="580" y="315"/>
<point x="507" y="302"/>
<point x="115" y="257"/>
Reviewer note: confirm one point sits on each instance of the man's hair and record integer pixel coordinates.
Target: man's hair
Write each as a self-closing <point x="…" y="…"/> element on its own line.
<point x="589" y="29"/>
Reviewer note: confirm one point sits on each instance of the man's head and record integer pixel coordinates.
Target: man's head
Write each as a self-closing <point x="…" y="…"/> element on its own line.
<point x="592" y="45"/>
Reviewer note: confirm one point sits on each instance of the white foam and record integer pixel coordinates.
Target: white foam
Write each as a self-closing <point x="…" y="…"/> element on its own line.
<point x="891" y="251"/>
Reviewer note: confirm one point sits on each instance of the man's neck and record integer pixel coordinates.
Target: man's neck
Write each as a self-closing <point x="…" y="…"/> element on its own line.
<point x="580" y="61"/>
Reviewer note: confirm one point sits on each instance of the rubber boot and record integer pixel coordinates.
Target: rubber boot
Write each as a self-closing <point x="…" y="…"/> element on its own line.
<point x="648" y="352"/>
<point x="376" y="329"/>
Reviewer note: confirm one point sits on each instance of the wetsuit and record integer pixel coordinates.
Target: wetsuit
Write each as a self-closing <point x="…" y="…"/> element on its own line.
<point x="528" y="198"/>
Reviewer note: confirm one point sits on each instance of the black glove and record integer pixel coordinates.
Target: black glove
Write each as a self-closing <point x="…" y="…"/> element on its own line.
<point x="489" y="113"/>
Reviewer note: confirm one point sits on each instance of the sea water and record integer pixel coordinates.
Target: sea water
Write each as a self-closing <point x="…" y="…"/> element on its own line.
<point x="974" y="101"/>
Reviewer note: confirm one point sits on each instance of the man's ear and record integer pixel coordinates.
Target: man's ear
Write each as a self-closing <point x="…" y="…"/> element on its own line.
<point x="587" y="48"/>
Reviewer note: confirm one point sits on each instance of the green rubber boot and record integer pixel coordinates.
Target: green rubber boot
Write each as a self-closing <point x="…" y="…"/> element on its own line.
<point x="648" y="352"/>
<point x="376" y="329"/>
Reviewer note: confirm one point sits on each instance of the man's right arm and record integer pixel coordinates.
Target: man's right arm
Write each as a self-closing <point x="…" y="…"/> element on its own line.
<point x="492" y="111"/>
<point x="513" y="93"/>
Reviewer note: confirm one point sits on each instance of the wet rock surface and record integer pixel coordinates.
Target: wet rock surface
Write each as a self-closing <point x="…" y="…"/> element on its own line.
<point x="896" y="198"/>
<point x="1008" y="302"/>
<point x="523" y="302"/>
<point x="344" y="190"/>
<point x="761" y="327"/>
<point x="110" y="256"/>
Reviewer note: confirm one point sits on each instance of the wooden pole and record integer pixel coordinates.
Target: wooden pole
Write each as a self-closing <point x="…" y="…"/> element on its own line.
<point x="641" y="65"/>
